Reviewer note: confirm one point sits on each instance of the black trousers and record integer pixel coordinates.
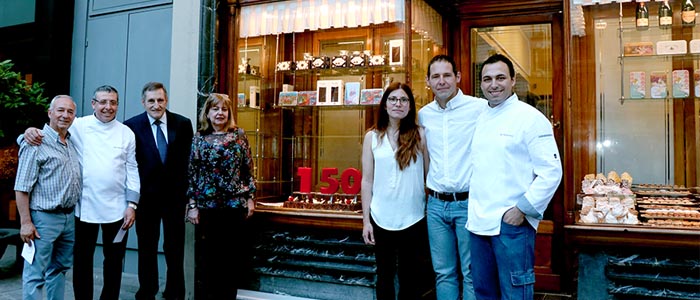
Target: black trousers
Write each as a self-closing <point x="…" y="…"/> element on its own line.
<point x="219" y="267"/>
<point x="406" y="253"/>
<point x="83" y="256"/>
<point x="148" y="221"/>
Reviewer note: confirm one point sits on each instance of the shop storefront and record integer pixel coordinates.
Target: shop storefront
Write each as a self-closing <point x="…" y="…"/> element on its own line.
<point x="307" y="76"/>
<point x="304" y="74"/>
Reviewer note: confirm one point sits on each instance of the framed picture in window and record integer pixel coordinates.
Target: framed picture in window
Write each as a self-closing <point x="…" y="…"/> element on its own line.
<point x="396" y="52"/>
<point x="330" y="92"/>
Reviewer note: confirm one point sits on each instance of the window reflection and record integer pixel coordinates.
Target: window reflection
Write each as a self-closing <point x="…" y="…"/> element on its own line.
<point x="530" y="49"/>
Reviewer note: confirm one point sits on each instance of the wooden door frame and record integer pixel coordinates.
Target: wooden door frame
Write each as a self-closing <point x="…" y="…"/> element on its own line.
<point x="551" y="273"/>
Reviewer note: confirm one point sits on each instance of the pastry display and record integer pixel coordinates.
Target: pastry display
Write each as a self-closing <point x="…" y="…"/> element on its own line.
<point x="667" y="200"/>
<point x="325" y="202"/>
<point x="611" y="184"/>
<point x="660" y="186"/>
<point x="673" y="223"/>
<point x="670" y="211"/>
<point x="608" y="209"/>
<point x="614" y="199"/>
<point x="663" y="192"/>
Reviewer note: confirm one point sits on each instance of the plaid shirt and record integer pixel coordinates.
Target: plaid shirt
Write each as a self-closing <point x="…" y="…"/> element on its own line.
<point x="50" y="172"/>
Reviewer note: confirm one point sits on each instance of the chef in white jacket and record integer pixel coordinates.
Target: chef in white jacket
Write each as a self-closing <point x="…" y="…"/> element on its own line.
<point x="516" y="170"/>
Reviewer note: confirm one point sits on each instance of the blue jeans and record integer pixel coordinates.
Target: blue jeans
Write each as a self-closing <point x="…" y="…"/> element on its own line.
<point x="53" y="256"/>
<point x="449" y="248"/>
<point x="506" y="263"/>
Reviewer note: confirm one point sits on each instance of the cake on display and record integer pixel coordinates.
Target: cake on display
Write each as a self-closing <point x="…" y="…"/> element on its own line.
<point x="326" y="202"/>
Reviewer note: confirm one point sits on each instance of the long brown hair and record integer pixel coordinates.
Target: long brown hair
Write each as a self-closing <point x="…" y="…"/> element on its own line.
<point x="409" y="141"/>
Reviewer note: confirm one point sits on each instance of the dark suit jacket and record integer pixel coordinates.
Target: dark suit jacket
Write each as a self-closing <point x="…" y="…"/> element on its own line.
<point x="165" y="181"/>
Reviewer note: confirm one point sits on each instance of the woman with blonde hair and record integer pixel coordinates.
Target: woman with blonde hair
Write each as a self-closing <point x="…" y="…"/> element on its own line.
<point x="221" y="193"/>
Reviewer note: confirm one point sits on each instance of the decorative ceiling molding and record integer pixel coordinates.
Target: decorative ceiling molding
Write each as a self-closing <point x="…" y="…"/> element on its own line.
<point x="474" y="9"/>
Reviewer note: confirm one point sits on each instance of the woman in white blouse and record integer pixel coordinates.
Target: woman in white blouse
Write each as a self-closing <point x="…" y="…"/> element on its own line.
<point x="394" y="163"/>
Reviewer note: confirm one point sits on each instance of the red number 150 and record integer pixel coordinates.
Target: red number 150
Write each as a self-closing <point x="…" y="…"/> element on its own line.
<point x="304" y="174"/>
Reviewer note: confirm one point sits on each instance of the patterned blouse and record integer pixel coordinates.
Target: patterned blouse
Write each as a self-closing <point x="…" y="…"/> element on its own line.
<point x="220" y="171"/>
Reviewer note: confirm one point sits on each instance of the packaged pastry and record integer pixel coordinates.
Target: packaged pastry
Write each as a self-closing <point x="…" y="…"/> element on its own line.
<point x="626" y="179"/>
<point x="613" y="178"/>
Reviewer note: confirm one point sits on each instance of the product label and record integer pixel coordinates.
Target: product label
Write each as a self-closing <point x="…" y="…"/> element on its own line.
<point x="665" y="21"/>
<point x="688" y="16"/>
<point x="642" y="22"/>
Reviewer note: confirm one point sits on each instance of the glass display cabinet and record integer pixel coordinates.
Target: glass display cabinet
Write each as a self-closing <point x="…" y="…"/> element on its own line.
<point x="309" y="76"/>
<point x="635" y="101"/>
<point x="308" y="89"/>
<point x="646" y="111"/>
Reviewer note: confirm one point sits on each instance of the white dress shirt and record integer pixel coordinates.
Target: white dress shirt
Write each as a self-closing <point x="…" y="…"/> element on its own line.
<point x="516" y="162"/>
<point x="449" y="133"/>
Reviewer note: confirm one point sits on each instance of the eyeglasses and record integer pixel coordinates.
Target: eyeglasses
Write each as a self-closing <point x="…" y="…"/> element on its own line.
<point x="394" y="100"/>
<point x="104" y="102"/>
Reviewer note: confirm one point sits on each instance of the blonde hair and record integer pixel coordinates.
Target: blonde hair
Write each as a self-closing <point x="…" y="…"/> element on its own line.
<point x="213" y="99"/>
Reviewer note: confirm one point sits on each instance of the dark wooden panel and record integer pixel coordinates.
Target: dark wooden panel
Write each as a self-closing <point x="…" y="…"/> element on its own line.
<point x="314" y="219"/>
<point x="546" y="279"/>
<point x="470" y="9"/>
<point x="620" y="237"/>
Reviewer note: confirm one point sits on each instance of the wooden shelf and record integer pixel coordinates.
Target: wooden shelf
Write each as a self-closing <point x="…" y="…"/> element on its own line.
<point x="313" y="218"/>
<point x="632" y="236"/>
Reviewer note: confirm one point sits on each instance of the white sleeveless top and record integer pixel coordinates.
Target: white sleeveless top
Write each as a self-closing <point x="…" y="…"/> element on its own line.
<point x="398" y="197"/>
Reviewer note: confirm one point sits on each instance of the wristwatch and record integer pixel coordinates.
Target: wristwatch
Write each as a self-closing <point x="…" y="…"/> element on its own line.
<point x="191" y="206"/>
<point x="133" y="205"/>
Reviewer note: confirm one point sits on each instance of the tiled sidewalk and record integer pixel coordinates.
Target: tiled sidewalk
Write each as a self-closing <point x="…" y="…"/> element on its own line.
<point x="11" y="283"/>
<point x="11" y="280"/>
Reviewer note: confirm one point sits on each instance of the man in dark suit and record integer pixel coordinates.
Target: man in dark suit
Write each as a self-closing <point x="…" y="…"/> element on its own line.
<point x="163" y="141"/>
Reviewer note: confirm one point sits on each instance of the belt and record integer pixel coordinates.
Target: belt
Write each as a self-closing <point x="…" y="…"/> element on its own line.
<point x="460" y="196"/>
<point x="61" y="210"/>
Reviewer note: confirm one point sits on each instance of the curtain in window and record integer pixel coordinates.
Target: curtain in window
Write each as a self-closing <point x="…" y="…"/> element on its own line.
<point x="301" y="15"/>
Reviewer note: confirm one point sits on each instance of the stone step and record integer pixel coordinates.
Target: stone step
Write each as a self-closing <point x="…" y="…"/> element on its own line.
<point x="312" y="289"/>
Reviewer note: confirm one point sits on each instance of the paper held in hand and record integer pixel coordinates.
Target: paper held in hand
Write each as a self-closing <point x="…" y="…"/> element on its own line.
<point x="28" y="252"/>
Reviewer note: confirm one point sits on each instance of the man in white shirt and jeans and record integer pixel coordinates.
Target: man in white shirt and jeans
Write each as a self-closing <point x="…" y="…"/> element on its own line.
<point x="517" y="169"/>
<point x="449" y="123"/>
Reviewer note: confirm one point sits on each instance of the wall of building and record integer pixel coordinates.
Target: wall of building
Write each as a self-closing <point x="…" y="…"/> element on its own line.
<point x="127" y="43"/>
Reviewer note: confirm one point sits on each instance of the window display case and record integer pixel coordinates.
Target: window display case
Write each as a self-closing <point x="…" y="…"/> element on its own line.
<point x="249" y="115"/>
<point x="306" y="97"/>
<point x="636" y="111"/>
<point x="322" y="71"/>
<point x="643" y="123"/>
